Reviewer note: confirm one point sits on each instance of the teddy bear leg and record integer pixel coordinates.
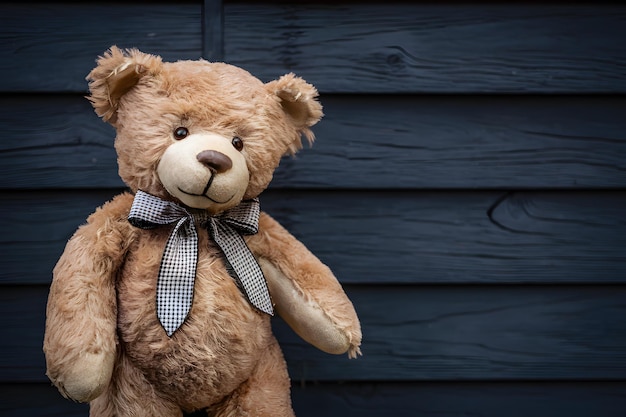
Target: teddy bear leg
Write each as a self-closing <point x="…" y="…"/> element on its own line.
<point x="265" y="394"/>
<point x="129" y="394"/>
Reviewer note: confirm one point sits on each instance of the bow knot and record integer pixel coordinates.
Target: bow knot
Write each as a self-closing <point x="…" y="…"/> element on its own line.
<point x="177" y="272"/>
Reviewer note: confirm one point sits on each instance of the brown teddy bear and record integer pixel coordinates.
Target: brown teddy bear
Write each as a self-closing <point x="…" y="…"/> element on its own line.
<point x="161" y="303"/>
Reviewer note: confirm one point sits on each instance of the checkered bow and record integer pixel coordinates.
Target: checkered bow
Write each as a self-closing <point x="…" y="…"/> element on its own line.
<point x="178" y="265"/>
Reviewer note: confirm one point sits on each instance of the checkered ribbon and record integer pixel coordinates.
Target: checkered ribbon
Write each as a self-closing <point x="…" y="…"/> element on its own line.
<point x="178" y="264"/>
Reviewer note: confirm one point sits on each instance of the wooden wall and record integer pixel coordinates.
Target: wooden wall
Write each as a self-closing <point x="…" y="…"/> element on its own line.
<point x="467" y="186"/>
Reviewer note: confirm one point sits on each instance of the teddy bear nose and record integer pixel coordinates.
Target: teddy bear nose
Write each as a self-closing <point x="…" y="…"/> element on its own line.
<point x="216" y="161"/>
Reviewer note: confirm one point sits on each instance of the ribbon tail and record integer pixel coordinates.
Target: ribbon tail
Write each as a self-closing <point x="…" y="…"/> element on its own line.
<point x="247" y="271"/>
<point x="255" y="285"/>
<point x="177" y="272"/>
<point x="177" y="275"/>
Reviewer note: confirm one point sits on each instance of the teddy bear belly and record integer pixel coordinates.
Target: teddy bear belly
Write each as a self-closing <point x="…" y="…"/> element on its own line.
<point x="215" y="349"/>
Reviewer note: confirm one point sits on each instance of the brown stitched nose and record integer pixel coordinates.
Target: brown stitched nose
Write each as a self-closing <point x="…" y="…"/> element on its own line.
<point x="216" y="161"/>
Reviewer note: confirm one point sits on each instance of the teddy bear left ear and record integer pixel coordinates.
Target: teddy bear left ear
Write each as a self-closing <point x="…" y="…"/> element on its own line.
<point x="116" y="73"/>
<point x="299" y="101"/>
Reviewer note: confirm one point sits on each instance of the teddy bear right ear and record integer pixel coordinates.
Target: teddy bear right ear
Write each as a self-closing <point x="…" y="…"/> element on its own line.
<point x="116" y="73"/>
<point x="298" y="100"/>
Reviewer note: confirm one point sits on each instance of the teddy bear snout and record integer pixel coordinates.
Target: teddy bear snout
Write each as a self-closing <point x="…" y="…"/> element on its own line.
<point x="215" y="161"/>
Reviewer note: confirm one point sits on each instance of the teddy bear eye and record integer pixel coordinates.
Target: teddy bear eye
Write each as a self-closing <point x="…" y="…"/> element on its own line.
<point x="181" y="133"/>
<point x="238" y="143"/>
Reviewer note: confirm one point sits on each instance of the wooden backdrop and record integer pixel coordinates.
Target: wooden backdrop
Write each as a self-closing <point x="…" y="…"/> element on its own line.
<point x="467" y="187"/>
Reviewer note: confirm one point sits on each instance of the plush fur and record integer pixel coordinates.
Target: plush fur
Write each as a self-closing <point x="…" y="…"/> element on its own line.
<point x="103" y="341"/>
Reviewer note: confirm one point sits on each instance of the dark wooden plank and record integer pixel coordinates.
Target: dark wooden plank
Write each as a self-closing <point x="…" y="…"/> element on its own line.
<point x="462" y="237"/>
<point x="375" y="48"/>
<point x="22" y="358"/>
<point x="34" y="244"/>
<point x="511" y="399"/>
<point x="53" y="46"/>
<point x="383" y="237"/>
<point x="213" y="30"/>
<point x="55" y="141"/>
<point x="464" y="142"/>
<point x="537" y="399"/>
<point x="416" y="333"/>
<point x="433" y="48"/>
<point x="476" y="333"/>
<point x="388" y="142"/>
<point x="37" y="400"/>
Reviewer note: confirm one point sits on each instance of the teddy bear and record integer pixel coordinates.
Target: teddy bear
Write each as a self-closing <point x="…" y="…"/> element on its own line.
<point x="161" y="303"/>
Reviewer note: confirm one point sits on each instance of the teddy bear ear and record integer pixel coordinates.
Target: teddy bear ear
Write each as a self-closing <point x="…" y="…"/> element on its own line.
<point x="299" y="101"/>
<point x="116" y="73"/>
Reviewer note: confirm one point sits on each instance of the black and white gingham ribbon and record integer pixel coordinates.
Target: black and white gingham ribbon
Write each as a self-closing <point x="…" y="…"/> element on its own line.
<point x="178" y="264"/>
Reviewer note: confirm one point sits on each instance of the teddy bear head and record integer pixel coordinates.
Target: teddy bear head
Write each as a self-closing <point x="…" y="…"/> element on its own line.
<point x="203" y="134"/>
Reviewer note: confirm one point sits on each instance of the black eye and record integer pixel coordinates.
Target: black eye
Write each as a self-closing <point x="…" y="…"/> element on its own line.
<point x="181" y="133"/>
<point x="238" y="143"/>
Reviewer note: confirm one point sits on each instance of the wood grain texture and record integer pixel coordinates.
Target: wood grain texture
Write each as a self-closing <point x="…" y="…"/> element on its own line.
<point x="383" y="237"/>
<point x="432" y="48"/>
<point x="395" y="47"/>
<point x="212" y="30"/>
<point x="511" y="399"/>
<point x="37" y="400"/>
<point x="537" y="399"/>
<point x="364" y="142"/>
<point x="52" y="47"/>
<point x="416" y="333"/>
<point x="55" y="141"/>
<point x="464" y="143"/>
<point x="34" y="245"/>
<point x="474" y="237"/>
<point x="445" y="333"/>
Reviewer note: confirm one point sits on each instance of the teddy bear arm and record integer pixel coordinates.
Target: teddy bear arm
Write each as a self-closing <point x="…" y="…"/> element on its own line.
<point x="80" y="338"/>
<point x="305" y="317"/>
<point x="306" y="293"/>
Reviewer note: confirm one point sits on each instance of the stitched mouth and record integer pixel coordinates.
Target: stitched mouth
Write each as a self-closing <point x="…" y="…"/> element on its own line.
<point x="205" y="191"/>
